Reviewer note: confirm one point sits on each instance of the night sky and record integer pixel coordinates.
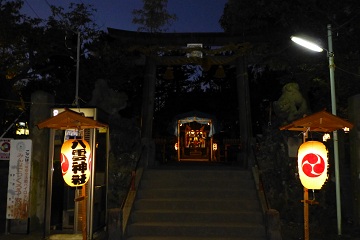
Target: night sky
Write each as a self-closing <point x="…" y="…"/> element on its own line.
<point x="193" y="15"/>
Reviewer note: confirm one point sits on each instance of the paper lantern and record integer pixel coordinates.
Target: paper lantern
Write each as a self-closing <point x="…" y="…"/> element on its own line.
<point x="215" y="146"/>
<point x="75" y="162"/>
<point x="313" y="164"/>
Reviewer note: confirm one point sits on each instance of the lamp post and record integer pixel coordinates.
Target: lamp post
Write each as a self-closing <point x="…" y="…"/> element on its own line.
<point x="330" y="54"/>
<point x="77" y="70"/>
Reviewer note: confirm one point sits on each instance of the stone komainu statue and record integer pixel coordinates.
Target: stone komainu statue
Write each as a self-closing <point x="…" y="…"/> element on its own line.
<point x="291" y="105"/>
<point x="107" y="99"/>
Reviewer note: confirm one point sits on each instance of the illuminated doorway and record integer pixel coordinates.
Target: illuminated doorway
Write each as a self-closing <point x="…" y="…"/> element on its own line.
<point x="194" y="131"/>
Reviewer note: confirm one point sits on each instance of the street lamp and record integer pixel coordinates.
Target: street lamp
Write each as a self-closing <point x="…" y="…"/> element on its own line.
<point x="330" y="55"/>
<point x="306" y="44"/>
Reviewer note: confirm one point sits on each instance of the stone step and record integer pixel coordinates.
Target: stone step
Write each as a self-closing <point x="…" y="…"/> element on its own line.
<point x="205" y="173"/>
<point x="193" y="238"/>
<point x="197" y="183"/>
<point x="197" y="205"/>
<point x="199" y="193"/>
<point x="197" y="179"/>
<point x="198" y="216"/>
<point x="196" y="230"/>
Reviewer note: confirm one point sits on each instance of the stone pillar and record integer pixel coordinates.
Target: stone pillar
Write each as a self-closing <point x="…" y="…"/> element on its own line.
<point x="115" y="224"/>
<point x="39" y="111"/>
<point x="244" y="111"/>
<point x="273" y="224"/>
<point x="354" y="118"/>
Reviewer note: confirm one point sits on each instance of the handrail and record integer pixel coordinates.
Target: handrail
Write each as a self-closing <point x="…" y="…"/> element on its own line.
<point x="260" y="184"/>
<point x="127" y="203"/>
<point x="265" y="205"/>
<point x="272" y="217"/>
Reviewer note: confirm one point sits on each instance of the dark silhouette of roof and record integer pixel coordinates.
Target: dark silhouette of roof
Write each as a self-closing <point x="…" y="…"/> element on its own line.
<point x="69" y="119"/>
<point x="318" y="122"/>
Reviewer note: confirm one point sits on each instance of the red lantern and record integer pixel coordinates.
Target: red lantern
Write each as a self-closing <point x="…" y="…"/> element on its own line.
<point x="76" y="162"/>
<point x="313" y="164"/>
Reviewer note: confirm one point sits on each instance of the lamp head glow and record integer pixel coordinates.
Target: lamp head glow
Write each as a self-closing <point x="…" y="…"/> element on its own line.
<point x="307" y="44"/>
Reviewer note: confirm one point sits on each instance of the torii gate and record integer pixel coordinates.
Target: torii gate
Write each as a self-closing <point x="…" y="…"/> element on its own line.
<point x="148" y="43"/>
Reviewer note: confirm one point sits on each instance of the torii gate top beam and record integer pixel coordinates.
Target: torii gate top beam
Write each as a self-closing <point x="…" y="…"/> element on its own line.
<point x="176" y="39"/>
<point x="149" y="43"/>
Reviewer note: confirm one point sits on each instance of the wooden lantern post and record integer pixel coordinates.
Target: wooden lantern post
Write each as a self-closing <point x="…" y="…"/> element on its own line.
<point x="318" y="122"/>
<point x="75" y="155"/>
<point x="76" y="170"/>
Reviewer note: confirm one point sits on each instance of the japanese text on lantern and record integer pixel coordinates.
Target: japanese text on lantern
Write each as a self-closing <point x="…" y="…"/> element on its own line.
<point x="75" y="162"/>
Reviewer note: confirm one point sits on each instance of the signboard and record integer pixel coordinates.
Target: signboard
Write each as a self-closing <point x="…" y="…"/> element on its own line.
<point x="195" y="53"/>
<point x="19" y="179"/>
<point x="71" y="134"/>
<point x="5" y="148"/>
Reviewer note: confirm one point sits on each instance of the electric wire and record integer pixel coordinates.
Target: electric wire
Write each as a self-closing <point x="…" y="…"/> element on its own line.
<point x="348" y="72"/>
<point x="32" y="9"/>
<point x="39" y="103"/>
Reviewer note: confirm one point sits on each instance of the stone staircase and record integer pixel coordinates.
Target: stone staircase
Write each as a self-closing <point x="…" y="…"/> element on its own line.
<point x="196" y="202"/>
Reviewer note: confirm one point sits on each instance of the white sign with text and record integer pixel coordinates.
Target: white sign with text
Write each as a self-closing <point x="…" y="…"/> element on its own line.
<point x="19" y="179"/>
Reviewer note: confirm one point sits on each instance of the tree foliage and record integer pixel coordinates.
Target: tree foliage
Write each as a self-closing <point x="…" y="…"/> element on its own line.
<point x="38" y="54"/>
<point x="18" y="34"/>
<point x="63" y="31"/>
<point x="153" y="17"/>
<point x="41" y="54"/>
<point x="268" y="25"/>
<point x="271" y="16"/>
<point x="276" y="61"/>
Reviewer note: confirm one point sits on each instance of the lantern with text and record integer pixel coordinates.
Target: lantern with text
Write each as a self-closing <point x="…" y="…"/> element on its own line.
<point x="75" y="162"/>
<point x="313" y="164"/>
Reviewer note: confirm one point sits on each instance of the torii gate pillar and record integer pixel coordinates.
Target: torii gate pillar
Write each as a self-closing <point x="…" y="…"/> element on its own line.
<point x="147" y="112"/>
<point x="244" y="111"/>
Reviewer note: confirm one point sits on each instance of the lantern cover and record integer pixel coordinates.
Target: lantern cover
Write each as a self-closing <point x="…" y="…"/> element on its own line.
<point x="75" y="162"/>
<point x="313" y="164"/>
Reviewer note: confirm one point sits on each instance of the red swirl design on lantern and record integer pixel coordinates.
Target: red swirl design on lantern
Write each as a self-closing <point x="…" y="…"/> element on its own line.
<point x="64" y="164"/>
<point x="313" y="165"/>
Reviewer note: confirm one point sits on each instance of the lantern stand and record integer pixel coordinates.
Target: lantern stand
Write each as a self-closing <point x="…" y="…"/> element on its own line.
<point x="306" y="200"/>
<point x="77" y="200"/>
<point x="69" y="119"/>
<point x="80" y="200"/>
<point x="317" y="122"/>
